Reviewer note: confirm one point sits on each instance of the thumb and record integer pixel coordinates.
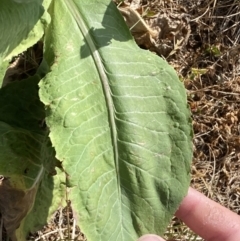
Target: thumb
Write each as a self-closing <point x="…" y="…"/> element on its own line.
<point x="150" y="237"/>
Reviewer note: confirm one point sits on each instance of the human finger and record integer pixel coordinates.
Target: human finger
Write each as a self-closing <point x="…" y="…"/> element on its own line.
<point x="209" y="219"/>
<point x="150" y="237"/>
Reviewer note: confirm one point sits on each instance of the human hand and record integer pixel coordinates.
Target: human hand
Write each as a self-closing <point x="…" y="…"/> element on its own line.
<point x="207" y="218"/>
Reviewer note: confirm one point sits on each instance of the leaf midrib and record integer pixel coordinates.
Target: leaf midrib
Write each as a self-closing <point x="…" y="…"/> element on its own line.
<point x="104" y="81"/>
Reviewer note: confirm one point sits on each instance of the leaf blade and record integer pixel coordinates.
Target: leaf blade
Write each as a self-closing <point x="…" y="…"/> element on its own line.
<point x="117" y="197"/>
<point x="16" y="33"/>
<point x="26" y="160"/>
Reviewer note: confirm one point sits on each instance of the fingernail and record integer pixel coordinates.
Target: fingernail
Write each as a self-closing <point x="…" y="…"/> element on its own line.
<point x="150" y="237"/>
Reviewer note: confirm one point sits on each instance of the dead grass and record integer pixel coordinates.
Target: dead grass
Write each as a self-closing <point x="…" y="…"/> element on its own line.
<point x="62" y="227"/>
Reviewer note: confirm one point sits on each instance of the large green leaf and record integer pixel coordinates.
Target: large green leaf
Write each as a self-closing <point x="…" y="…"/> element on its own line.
<point x="119" y="122"/>
<point x="21" y="25"/>
<point x="27" y="161"/>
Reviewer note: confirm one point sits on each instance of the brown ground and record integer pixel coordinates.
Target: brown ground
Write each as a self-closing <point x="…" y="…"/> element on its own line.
<point x="201" y="40"/>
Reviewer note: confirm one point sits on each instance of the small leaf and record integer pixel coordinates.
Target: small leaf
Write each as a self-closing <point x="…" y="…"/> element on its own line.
<point x="213" y="50"/>
<point x="21" y="26"/>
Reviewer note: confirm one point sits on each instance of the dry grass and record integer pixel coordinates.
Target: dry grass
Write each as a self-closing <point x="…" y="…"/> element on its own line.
<point x="62" y="227"/>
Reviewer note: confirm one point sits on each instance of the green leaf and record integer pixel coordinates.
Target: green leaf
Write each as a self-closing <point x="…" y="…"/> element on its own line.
<point x="118" y="120"/>
<point x="21" y="25"/>
<point x="27" y="160"/>
<point x="3" y="69"/>
<point x="50" y="197"/>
